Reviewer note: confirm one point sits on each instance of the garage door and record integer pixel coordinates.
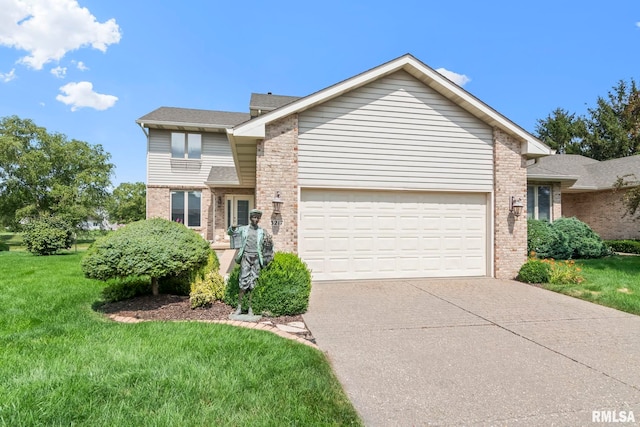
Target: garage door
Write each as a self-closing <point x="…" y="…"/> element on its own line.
<point x="348" y="235"/>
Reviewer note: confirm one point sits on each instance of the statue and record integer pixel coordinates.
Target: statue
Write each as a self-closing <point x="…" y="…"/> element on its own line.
<point x="255" y="252"/>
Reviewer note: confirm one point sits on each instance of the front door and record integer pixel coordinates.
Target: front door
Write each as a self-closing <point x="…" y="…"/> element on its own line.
<point x="237" y="209"/>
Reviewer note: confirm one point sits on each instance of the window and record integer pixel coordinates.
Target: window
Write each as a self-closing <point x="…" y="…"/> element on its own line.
<point x="186" y="207"/>
<point x="186" y="145"/>
<point x="539" y="202"/>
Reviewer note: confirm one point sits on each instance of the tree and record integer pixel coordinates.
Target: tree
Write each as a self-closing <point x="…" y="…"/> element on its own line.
<point x="127" y="203"/>
<point x="610" y="130"/>
<point x="562" y="131"/>
<point x="155" y="247"/>
<point x="44" y="173"/>
<point x="613" y="124"/>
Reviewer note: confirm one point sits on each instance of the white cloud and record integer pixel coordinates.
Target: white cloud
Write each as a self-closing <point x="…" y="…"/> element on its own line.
<point x="459" y="79"/>
<point x="7" y="77"/>
<point x="81" y="66"/>
<point x="48" y="29"/>
<point x="638" y="24"/>
<point x="59" y="72"/>
<point x="81" y="94"/>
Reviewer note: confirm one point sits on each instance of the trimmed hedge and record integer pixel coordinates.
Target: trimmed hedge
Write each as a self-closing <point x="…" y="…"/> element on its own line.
<point x="282" y="288"/>
<point x="4" y="247"/>
<point x="624" y="246"/>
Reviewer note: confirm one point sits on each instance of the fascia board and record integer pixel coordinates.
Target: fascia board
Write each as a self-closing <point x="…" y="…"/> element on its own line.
<point x="148" y="123"/>
<point x="256" y="127"/>
<point x="234" y="152"/>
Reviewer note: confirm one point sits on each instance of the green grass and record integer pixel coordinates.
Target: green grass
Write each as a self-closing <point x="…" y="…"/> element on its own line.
<point x="61" y="363"/>
<point x="612" y="281"/>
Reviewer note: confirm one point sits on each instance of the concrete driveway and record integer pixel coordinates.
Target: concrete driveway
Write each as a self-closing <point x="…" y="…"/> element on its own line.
<point x="477" y="352"/>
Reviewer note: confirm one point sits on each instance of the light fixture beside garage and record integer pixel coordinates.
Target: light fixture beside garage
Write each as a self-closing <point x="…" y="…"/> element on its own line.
<point x="277" y="203"/>
<point x="515" y="206"/>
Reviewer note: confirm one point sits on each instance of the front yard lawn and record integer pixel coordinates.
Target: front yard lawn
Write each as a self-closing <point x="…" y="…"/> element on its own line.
<point x="62" y="363"/>
<point x="612" y="281"/>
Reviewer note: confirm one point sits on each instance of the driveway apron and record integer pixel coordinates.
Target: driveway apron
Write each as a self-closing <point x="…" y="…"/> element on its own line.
<point x="476" y="352"/>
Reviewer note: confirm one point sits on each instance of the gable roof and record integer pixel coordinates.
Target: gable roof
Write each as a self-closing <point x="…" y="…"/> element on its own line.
<point x="580" y="173"/>
<point x="531" y="146"/>
<point x="261" y="103"/>
<point x="191" y="119"/>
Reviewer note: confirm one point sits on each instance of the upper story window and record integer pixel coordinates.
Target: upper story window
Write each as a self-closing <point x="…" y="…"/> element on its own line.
<point x="186" y="145"/>
<point x="539" y="202"/>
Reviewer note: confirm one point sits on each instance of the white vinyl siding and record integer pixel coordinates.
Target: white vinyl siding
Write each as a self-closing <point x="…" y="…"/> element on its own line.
<point x="162" y="169"/>
<point x="347" y="235"/>
<point x="394" y="133"/>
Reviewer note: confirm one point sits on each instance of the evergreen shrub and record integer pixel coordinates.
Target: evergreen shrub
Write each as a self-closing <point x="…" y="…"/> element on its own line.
<point x="583" y="241"/>
<point x="47" y="235"/>
<point x="624" y="246"/>
<point x="535" y="271"/>
<point x="546" y="241"/>
<point x="282" y="288"/>
<point x="126" y="288"/>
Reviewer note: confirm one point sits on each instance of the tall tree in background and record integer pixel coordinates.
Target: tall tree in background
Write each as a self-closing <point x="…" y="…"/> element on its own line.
<point x="609" y="131"/>
<point x="127" y="203"/>
<point x="613" y="124"/>
<point x="562" y="131"/>
<point x="44" y="173"/>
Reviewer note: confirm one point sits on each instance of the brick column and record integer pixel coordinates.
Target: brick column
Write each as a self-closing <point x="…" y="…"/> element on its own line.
<point x="510" y="179"/>
<point x="158" y="202"/>
<point x="277" y="170"/>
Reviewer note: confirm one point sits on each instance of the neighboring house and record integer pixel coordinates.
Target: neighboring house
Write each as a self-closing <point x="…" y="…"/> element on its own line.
<point x="396" y="172"/>
<point x="577" y="186"/>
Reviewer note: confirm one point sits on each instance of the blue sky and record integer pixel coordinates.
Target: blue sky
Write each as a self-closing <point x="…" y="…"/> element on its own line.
<point x="90" y="68"/>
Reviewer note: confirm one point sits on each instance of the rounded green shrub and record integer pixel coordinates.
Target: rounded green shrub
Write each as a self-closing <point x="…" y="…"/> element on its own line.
<point x="535" y="271"/>
<point x="282" y="288"/>
<point x="47" y="235"/>
<point x="545" y="241"/>
<point x="582" y="240"/>
<point x="4" y="246"/>
<point x="154" y="247"/>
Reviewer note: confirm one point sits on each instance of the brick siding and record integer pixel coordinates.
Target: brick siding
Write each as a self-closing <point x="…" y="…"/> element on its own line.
<point x="277" y="170"/>
<point x="159" y="206"/>
<point x="604" y="212"/>
<point x="510" y="179"/>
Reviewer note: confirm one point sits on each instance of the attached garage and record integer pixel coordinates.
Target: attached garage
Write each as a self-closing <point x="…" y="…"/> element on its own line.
<point x="385" y="234"/>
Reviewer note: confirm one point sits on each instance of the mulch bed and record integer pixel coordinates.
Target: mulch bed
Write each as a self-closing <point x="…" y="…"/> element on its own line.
<point x="167" y="307"/>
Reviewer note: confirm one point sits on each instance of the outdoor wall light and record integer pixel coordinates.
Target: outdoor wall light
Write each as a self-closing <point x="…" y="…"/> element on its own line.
<point x="515" y="206"/>
<point x="219" y="201"/>
<point x="277" y="203"/>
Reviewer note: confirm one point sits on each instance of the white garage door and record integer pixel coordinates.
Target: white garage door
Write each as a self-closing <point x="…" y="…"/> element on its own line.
<point x="348" y="235"/>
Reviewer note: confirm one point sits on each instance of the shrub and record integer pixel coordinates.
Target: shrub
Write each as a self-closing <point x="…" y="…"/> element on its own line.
<point x="583" y="241"/>
<point x="546" y="241"/>
<point x="125" y="288"/>
<point x="207" y="289"/>
<point x="283" y="287"/>
<point x="182" y="283"/>
<point x="4" y="246"/>
<point x="154" y="247"/>
<point x="535" y="271"/>
<point x="47" y="235"/>
<point x="624" y="246"/>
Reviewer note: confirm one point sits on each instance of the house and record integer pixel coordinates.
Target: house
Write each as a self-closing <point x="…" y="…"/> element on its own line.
<point x="396" y="172"/>
<point x="577" y="186"/>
